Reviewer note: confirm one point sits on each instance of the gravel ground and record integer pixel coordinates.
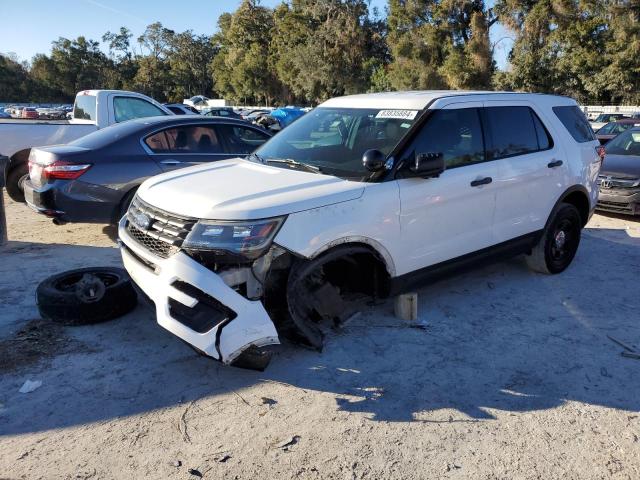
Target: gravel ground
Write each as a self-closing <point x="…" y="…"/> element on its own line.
<point x="514" y="378"/>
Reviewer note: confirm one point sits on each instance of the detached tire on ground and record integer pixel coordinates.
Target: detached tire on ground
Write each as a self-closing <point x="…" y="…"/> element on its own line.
<point x="86" y="295"/>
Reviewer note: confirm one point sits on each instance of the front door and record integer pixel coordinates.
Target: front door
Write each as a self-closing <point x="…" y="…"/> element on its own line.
<point x="452" y="215"/>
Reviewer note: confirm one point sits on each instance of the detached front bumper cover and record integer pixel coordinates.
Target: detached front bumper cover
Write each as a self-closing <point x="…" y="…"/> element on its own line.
<point x="196" y="304"/>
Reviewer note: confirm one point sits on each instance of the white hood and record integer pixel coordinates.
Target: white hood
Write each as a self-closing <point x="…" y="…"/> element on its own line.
<point x="243" y="190"/>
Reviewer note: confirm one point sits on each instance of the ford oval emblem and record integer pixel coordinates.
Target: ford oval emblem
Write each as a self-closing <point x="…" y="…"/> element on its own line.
<point x="141" y="220"/>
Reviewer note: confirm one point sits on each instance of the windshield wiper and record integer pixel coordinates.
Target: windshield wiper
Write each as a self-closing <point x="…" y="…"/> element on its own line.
<point x="254" y="156"/>
<point x="294" y="163"/>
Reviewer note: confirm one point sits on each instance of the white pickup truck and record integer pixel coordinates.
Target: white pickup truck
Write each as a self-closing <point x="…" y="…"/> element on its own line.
<point x="92" y="110"/>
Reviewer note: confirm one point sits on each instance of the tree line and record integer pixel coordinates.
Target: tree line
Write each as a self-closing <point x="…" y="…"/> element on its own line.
<point x="305" y="51"/>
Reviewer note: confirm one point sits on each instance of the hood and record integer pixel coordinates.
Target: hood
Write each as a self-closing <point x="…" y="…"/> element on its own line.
<point x="621" y="166"/>
<point x="243" y="190"/>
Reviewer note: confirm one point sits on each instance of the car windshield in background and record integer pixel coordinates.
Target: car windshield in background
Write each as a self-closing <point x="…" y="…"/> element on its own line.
<point x="334" y="139"/>
<point x="627" y="143"/>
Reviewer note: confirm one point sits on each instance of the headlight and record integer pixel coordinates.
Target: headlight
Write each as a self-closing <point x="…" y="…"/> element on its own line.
<point x="248" y="239"/>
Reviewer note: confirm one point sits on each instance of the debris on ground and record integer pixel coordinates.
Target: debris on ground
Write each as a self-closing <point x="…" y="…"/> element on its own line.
<point x="629" y="351"/>
<point x="37" y="341"/>
<point x="195" y="472"/>
<point x="223" y="458"/>
<point x="286" y="444"/>
<point x="176" y="463"/>
<point x="29" y="386"/>
<point x="268" y="401"/>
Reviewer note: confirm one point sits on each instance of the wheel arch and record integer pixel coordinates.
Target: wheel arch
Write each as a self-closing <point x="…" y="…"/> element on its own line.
<point x="577" y="196"/>
<point x="19" y="157"/>
<point x="373" y="246"/>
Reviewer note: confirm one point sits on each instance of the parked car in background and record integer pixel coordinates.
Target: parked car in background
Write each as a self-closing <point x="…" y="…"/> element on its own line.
<point x="93" y="110"/>
<point x="364" y="196"/>
<point x="196" y="101"/>
<point x="252" y="114"/>
<point x="226" y="112"/>
<point x="619" y="178"/>
<point x="611" y="129"/>
<point x="4" y="114"/>
<point x="94" y="178"/>
<point x="604" y="118"/>
<point x="29" y="112"/>
<point x="181" y="109"/>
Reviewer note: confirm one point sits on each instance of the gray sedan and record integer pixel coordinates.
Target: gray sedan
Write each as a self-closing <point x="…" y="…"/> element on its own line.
<point x="93" y="179"/>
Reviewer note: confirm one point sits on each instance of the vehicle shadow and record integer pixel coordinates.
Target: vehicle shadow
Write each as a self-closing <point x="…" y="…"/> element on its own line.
<point x="498" y="339"/>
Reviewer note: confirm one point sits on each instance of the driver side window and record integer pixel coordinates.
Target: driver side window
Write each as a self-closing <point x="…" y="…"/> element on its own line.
<point x="456" y="134"/>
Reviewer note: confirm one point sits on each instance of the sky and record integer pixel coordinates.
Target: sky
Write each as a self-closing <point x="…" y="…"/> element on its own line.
<point x="29" y="26"/>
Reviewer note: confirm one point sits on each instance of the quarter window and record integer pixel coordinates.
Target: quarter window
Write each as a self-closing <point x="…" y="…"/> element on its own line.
<point x="186" y="140"/>
<point x="575" y="122"/>
<point x="127" y="108"/>
<point x="515" y="131"/>
<point x="457" y="134"/>
<point x="242" y="140"/>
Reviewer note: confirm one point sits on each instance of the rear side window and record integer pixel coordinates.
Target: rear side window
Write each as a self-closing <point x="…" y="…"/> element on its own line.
<point x="242" y="140"/>
<point x="85" y="107"/>
<point x="185" y="140"/>
<point x="127" y="108"/>
<point x="575" y="122"/>
<point x="515" y="131"/>
<point x="457" y="134"/>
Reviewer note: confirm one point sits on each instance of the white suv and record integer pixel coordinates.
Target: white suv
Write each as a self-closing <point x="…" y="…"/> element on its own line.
<point x="365" y="196"/>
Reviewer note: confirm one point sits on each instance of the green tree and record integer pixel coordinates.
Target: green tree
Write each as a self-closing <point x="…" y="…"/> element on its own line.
<point x="14" y="79"/>
<point x="241" y="68"/>
<point x="620" y="74"/>
<point x="324" y="49"/>
<point x="440" y="44"/>
<point x="124" y="64"/>
<point x="189" y="60"/>
<point x="153" y="75"/>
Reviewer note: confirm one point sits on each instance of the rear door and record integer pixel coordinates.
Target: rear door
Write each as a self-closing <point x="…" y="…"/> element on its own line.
<point x="185" y="145"/>
<point x="530" y="167"/>
<point x="452" y="215"/>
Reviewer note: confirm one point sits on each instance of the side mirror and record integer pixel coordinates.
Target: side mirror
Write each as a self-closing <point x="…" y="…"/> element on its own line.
<point x="427" y="165"/>
<point x="373" y="160"/>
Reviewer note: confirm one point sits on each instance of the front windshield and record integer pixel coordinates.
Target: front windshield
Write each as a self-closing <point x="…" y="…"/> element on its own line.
<point x="334" y="139"/>
<point x="627" y="143"/>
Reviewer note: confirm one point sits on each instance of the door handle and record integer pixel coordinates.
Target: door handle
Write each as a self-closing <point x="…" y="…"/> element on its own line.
<point x="482" y="181"/>
<point x="170" y="162"/>
<point x="554" y="164"/>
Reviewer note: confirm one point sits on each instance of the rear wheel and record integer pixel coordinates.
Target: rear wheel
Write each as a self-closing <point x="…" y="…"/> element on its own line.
<point x="559" y="243"/>
<point x="15" y="182"/>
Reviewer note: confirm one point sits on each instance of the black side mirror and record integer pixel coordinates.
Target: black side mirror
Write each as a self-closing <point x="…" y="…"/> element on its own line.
<point x="373" y="160"/>
<point x="427" y="165"/>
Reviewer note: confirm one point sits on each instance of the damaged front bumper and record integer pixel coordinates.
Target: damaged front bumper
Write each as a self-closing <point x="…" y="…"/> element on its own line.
<point x="196" y="304"/>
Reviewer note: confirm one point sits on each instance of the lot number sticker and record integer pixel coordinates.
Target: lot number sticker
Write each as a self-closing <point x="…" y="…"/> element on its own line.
<point x="402" y="114"/>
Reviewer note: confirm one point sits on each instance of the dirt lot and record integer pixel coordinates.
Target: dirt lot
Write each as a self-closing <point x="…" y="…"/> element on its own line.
<point x="513" y="378"/>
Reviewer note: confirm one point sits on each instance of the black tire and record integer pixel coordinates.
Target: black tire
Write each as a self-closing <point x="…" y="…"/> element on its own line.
<point x="86" y="295"/>
<point x="124" y="205"/>
<point x="15" y="179"/>
<point x="559" y="242"/>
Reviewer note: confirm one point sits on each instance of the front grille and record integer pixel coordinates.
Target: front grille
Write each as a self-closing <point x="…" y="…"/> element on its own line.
<point x="159" y="232"/>
<point x="607" y="182"/>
